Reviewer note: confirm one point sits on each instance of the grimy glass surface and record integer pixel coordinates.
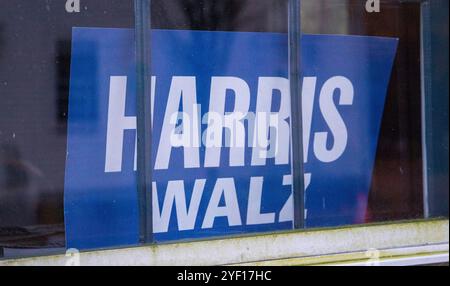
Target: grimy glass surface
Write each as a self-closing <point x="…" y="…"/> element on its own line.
<point x="35" y="56"/>
<point x="60" y="187"/>
<point x="236" y="55"/>
<point x="209" y="60"/>
<point x="397" y="184"/>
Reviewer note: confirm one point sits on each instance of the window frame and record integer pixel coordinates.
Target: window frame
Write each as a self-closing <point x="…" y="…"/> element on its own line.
<point x="409" y="234"/>
<point x="414" y="242"/>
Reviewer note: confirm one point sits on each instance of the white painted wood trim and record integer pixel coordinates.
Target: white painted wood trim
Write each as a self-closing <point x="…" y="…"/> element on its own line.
<point x="254" y="250"/>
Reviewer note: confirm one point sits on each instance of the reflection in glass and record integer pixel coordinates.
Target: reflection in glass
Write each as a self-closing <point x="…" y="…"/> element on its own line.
<point x="35" y="54"/>
<point x="396" y="190"/>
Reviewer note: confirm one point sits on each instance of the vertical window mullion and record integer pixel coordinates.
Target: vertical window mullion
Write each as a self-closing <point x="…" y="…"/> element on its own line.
<point x="296" y="113"/>
<point x="144" y="131"/>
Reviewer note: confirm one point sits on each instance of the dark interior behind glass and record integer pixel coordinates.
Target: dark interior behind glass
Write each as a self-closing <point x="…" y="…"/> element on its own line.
<point x="397" y="184"/>
<point x="35" y="44"/>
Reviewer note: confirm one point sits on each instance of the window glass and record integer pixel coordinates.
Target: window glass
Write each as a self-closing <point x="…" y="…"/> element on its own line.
<point x="214" y="65"/>
<point x="35" y="60"/>
<point x="235" y="54"/>
<point x="395" y="189"/>
<point x="123" y="123"/>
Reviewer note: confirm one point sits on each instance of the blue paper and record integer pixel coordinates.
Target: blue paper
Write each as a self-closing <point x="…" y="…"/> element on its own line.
<point x="347" y="79"/>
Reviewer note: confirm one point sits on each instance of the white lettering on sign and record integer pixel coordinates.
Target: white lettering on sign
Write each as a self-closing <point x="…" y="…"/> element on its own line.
<point x="280" y="128"/>
<point x="118" y="123"/>
<point x="231" y="121"/>
<point x="268" y="133"/>
<point x="182" y="89"/>
<point x="254" y="215"/>
<point x="224" y="187"/>
<point x="333" y="119"/>
<point x="287" y="212"/>
<point x="175" y="194"/>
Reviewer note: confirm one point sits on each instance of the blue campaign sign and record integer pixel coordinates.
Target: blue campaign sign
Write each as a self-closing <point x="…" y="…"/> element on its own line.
<point x="221" y="134"/>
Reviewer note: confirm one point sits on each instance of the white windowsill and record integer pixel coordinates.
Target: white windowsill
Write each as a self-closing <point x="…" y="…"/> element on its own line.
<point x="403" y="243"/>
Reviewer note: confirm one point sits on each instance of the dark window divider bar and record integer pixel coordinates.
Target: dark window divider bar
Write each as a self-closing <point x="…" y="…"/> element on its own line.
<point x="296" y="113"/>
<point x="435" y="107"/>
<point x="144" y="131"/>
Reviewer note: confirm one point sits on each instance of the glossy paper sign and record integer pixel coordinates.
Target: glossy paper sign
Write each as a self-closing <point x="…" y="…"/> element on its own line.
<point x="221" y="134"/>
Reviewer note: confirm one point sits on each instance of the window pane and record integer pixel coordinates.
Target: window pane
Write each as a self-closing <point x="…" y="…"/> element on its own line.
<point x="396" y="182"/>
<point x="230" y="59"/>
<point x="35" y="61"/>
<point x="206" y="91"/>
<point x="225" y="58"/>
